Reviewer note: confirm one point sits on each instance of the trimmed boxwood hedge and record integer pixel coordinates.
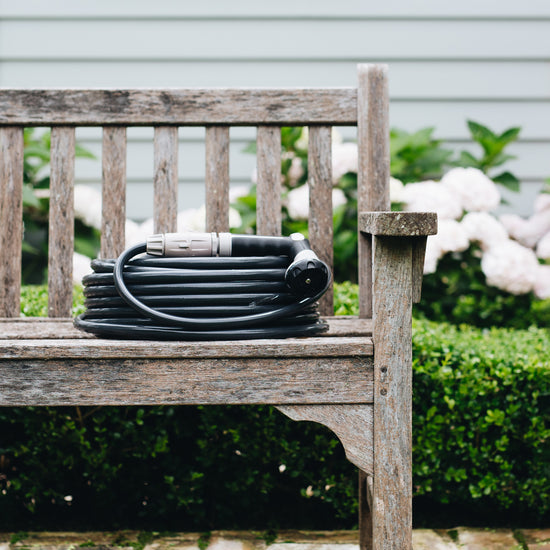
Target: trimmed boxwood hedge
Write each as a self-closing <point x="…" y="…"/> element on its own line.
<point x="481" y="449"/>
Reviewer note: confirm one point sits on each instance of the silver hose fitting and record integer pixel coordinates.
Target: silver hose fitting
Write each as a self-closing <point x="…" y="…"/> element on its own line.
<point x="189" y="244"/>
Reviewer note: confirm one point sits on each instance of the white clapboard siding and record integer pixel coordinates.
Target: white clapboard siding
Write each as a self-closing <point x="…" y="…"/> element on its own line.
<point x="449" y="62"/>
<point x="422" y="80"/>
<point x="274" y="39"/>
<point x="286" y="9"/>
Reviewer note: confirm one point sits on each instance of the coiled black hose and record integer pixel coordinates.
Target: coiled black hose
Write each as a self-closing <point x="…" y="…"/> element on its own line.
<point x="202" y="298"/>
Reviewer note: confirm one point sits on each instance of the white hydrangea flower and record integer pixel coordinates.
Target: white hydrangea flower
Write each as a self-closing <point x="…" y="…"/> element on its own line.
<point x="543" y="247"/>
<point x="511" y="267"/>
<point x="542" y="202"/>
<point x="396" y="190"/>
<point x="81" y="267"/>
<point x="483" y="228"/>
<point x="527" y="232"/>
<point x="297" y="202"/>
<point x="87" y="205"/>
<point x="295" y="172"/>
<point x="433" y="254"/>
<point x="512" y="223"/>
<point x="302" y="142"/>
<point x="338" y="198"/>
<point x="451" y="236"/>
<point x="542" y="282"/>
<point x="344" y="160"/>
<point x="476" y="190"/>
<point x="194" y="219"/>
<point x="430" y="196"/>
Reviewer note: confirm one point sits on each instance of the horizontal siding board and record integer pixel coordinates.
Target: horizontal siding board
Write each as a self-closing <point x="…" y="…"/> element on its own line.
<point x="449" y="117"/>
<point x="24" y="9"/>
<point x="364" y="39"/>
<point x="419" y="80"/>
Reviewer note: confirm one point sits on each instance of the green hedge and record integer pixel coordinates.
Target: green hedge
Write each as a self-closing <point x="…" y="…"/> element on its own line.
<point x="481" y="450"/>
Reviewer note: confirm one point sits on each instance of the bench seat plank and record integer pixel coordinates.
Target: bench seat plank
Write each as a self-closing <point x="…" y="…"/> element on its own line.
<point x="38" y="328"/>
<point x="184" y="381"/>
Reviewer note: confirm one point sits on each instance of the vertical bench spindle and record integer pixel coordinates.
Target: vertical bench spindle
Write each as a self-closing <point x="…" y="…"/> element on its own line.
<point x="320" y="202"/>
<point x="113" y="202"/>
<point x="165" y="179"/>
<point x="268" y="190"/>
<point x="61" y="222"/>
<point x="11" y="219"/>
<point x="217" y="178"/>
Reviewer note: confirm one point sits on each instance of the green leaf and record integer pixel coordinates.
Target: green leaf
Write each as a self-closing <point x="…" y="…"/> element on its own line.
<point x="467" y="160"/>
<point x="509" y="135"/>
<point x="481" y="133"/>
<point x="29" y="198"/>
<point x="508" y="180"/>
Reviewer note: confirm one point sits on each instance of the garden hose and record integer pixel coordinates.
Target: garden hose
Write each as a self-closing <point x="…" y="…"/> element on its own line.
<point x="207" y="286"/>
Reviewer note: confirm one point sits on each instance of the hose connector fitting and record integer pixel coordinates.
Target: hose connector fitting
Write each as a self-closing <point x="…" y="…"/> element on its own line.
<point x="189" y="244"/>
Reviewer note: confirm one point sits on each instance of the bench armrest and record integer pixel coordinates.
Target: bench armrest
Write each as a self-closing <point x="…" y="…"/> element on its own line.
<point x="413" y="226"/>
<point x="398" y="224"/>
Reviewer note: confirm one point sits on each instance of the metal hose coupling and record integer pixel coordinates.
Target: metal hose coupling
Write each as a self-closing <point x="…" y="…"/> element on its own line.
<point x="189" y="244"/>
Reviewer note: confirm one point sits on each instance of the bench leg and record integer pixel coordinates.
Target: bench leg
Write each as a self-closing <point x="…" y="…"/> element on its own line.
<point x="365" y="514"/>
<point x="392" y="334"/>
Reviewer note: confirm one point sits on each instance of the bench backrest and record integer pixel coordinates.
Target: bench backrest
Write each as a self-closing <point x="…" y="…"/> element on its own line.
<point x="216" y="109"/>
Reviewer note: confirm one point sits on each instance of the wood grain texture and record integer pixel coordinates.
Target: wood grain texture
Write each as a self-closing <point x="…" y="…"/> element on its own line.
<point x="137" y="381"/>
<point x="268" y="189"/>
<point x="217" y="178"/>
<point x="83" y="348"/>
<point x="11" y="219"/>
<point x="191" y="106"/>
<point x="353" y="425"/>
<point x="365" y="507"/>
<point x="44" y="328"/>
<point x="398" y="224"/>
<point x="165" y="179"/>
<point x="113" y="202"/>
<point x="320" y="203"/>
<point x="61" y="222"/>
<point x="418" y="255"/>
<point x="373" y="176"/>
<point x="392" y="306"/>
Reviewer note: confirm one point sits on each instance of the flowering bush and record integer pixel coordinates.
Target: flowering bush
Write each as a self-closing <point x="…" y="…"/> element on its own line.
<point x="479" y="268"/>
<point x="477" y="271"/>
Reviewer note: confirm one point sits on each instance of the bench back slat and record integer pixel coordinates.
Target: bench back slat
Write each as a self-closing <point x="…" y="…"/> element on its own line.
<point x="373" y="175"/>
<point x="11" y="219"/>
<point x="61" y="222"/>
<point x="181" y="107"/>
<point x="217" y="178"/>
<point x="165" y="179"/>
<point x="113" y="202"/>
<point x="320" y="202"/>
<point x="268" y="188"/>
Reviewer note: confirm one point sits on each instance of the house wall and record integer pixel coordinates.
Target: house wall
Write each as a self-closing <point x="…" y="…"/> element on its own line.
<point x="449" y="62"/>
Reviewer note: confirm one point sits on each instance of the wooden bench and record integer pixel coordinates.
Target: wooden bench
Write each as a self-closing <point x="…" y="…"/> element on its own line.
<point x="356" y="379"/>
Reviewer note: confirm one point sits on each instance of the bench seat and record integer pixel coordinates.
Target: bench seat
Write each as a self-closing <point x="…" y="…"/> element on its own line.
<point x="49" y="362"/>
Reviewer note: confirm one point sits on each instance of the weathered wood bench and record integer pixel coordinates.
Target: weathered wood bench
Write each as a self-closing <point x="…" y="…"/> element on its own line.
<point x="356" y="379"/>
